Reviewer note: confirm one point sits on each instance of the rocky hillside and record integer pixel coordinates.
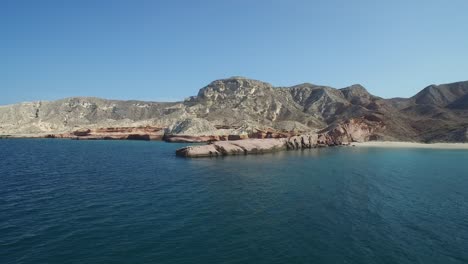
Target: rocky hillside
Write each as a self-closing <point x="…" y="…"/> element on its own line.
<point x="241" y="108"/>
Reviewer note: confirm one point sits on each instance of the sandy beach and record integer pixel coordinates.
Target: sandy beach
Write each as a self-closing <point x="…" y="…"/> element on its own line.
<point x="397" y="144"/>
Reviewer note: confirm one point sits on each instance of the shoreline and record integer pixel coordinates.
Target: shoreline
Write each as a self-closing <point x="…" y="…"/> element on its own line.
<point x="370" y="144"/>
<point x="403" y="144"/>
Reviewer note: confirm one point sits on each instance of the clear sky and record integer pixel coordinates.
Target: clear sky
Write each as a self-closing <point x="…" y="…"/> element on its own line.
<point x="167" y="50"/>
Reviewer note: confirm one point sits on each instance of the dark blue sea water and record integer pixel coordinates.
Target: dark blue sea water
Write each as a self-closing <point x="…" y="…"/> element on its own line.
<point x="64" y="201"/>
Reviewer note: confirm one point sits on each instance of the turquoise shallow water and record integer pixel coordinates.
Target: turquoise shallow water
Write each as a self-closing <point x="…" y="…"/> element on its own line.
<point x="64" y="201"/>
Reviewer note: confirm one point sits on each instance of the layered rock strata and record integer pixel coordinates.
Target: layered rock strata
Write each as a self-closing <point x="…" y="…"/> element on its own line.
<point x="240" y="108"/>
<point x="240" y="147"/>
<point x="113" y="133"/>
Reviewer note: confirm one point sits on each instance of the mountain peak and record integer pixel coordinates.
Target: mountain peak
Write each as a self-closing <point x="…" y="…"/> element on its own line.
<point x="441" y="95"/>
<point x="239" y="86"/>
<point x="355" y="87"/>
<point x="237" y="78"/>
<point x="356" y="92"/>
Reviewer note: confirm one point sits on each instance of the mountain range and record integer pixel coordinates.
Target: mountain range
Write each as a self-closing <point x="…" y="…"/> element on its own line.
<point x="241" y="106"/>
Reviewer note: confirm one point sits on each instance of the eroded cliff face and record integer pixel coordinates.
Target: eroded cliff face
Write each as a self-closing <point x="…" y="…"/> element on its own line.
<point x="340" y="134"/>
<point x="240" y="108"/>
<point x="70" y="114"/>
<point x="356" y="130"/>
<point x="240" y="147"/>
<point x="259" y="146"/>
<point x="114" y="133"/>
<point x="238" y="101"/>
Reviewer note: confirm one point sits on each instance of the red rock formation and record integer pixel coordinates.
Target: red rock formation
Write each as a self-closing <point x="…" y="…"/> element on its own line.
<point x="354" y="130"/>
<point x="115" y="133"/>
<point x="358" y="129"/>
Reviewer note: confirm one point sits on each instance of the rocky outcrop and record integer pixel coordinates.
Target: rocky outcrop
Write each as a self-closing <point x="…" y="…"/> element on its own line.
<point x="257" y="146"/>
<point x="356" y="130"/>
<point x="113" y="133"/>
<point x="241" y="147"/>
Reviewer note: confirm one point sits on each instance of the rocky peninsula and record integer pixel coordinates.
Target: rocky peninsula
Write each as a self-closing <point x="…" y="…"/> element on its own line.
<point x="258" y="146"/>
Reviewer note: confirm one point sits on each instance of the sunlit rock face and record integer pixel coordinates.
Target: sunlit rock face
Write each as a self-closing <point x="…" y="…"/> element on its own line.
<point x="240" y="108"/>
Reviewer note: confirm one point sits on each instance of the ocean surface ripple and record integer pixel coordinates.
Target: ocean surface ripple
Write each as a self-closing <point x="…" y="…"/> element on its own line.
<point x="64" y="201"/>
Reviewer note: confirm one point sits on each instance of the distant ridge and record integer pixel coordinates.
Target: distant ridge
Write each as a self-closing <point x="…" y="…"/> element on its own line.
<point x="239" y="105"/>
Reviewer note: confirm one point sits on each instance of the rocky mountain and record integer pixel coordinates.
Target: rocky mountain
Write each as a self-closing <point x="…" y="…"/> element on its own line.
<point x="241" y="108"/>
<point x="445" y="95"/>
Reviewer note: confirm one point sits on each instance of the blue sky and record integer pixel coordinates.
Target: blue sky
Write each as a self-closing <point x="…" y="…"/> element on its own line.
<point x="167" y="50"/>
